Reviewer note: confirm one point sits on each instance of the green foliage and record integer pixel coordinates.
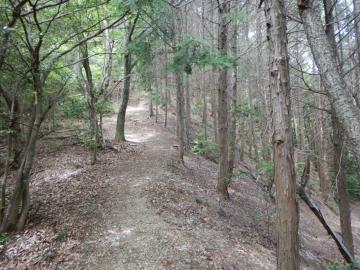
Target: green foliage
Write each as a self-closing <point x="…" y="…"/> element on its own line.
<point x="198" y="106"/>
<point x="352" y="180"/>
<point x="86" y="139"/>
<point x="300" y="166"/>
<point x="4" y="238"/>
<point x="191" y="51"/>
<point x="61" y="236"/>
<point x="216" y="59"/>
<point x="244" y="110"/>
<point x="266" y="167"/>
<point x="337" y="266"/>
<point x="266" y="150"/>
<point x="258" y="213"/>
<point x="104" y="107"/>
<point x="238" y="17"/>
<point x="74" y="106"/>
<point x="4" y="124"/>
<point x="202" y="146"/>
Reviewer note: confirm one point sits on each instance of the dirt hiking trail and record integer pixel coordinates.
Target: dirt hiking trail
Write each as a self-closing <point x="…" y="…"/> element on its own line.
<point x="133" y="234"/>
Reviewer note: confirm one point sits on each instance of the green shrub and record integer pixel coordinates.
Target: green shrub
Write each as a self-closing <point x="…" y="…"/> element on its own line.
<point x="4" y="238"/>
<point x="104" y="107"/>
<point x="337" y="266"/>
<point x="61" y="236"/>
<point x="202" y="146"/>
<point x="352" y="180"/>
<point x="86" y="139"/>
<point x="266" y="167"/>
<point x="198" y="106"/>
<point x="300" y="167"/>
<point x="74" y="106"/>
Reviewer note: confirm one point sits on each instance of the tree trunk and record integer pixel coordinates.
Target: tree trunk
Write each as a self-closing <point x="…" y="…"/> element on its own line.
<point x="346" y="111"/>
<point x="187" y="113"/>
<point x="19" y="204"/>
<point x="203" y="81"/>
<point x="340" y="157"/>
<point x="180" y="108"/>
<point x="356" y="12"/>
<point x="285" y="178"/>
<point x="89" y="87"/>
<point x="120" y="124"/>
<point x="262" y="92"/>
<point x="323" y="140"/>
<point x="151" y="104"/>
<point x="166" y="92"/>
<point x="340" y="154"/>
<point x="223" y="180"/>
<point x="232" y="130"/>
<point x="157" y="93"/>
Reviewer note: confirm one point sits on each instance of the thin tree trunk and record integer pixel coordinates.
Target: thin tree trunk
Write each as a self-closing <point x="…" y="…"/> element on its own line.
<point x="232" y="130"/>
<point x="322" y="125"/>
<point x="180" y="108"/>
<point x="92" y="100"/>
<point x="19" y="204"/>
<point x="120" y="124"/>
<point x="166" y="92"/>
<point x="203" y="81"/>
<point x="157" y="102"/>
<point x="340" y="156"/>
<point x="262" y="92"/>
<point x="151" y="103"/>
<point x="187" y="113"/>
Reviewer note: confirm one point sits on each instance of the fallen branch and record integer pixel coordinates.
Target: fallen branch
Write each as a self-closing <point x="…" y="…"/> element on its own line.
<point x="349" y="258"/>
<point x="110" y="146"/>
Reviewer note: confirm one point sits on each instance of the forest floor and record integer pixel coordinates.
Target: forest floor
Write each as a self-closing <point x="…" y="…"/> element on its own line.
<point x="138" y="208"/>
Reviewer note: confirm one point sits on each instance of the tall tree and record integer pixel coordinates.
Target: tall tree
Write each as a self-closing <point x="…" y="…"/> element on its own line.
<point x="128" y="67"/>
<point x="338" y="138"/>
<point x="223" y="178"/>
<point x="346" y="111"/>
<point x="285" y="178"/>
<point x="233" y="98"/>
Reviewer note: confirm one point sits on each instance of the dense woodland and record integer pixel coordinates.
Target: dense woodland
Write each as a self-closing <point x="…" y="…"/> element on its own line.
<point x="267" y="90"/>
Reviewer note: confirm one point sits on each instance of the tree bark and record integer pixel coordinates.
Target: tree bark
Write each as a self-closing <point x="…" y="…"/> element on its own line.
<point x="262" y="92"/>
<point x="223" y="178"/>
<point x="285" y="178"/>
<point x="92" y="100"/>
<point x="356" y="12"/>
<point x="338" y="139"/>
<point x="232" y="130"/>
<point x="322" y="130"/>
<point x="120" y="124"/>
<point x="346" y="111"/>
<point x="19" y="204"/>
<point x="180" y="108"/>
<point x="166" y="92"/>
<point x="187" y="113"/>
<point x="203" y="81"/>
